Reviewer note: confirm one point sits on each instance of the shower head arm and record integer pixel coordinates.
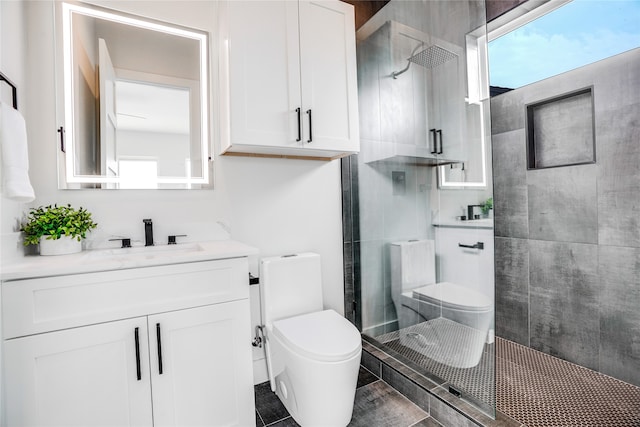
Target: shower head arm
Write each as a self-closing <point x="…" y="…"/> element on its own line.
<point x="395" y="74"/>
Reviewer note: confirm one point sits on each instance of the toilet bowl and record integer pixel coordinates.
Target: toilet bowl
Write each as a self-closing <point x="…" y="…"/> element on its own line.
<point x="445" y="321"/>
<point x="313" y="355"/>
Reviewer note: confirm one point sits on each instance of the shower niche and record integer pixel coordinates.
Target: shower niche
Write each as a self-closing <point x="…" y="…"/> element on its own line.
<point x="418" y="84"/>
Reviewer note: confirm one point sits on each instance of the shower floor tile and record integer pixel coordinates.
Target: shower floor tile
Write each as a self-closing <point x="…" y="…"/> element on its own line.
<point x="539" y="390"/>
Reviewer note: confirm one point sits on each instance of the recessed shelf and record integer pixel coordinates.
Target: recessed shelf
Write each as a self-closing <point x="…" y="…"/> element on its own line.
<point x="560" y="131"/>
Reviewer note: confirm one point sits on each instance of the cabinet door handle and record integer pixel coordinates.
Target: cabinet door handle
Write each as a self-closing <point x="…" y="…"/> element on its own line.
<point x="310" y="128"/>
<point x="159" y="348"/>
<point x="440" y="138"/>
<point x="137" y="339"/>
<point x="479" y="245"/>
<point x="61" y="132"/>
<point x="299" y="114"/>
<point x="435" y="141"/>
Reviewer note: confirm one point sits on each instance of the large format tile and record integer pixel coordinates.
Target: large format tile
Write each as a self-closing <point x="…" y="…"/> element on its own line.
<point x="287" y="422"/>
<point x="619" y="177"/>
<point x="563" y="204"/>
<point x="378" y="404"/>
<point x="365" y="377"/>
<point x="406" y="387"/>
<point x="616" y="81"/>
<point x="507" y="112"/>
<point x="268" y="404"/>
<point x="510" y="184"/>
<point x="512" y="289"/>
<point x="564" y="285"/>
<point x="619" y="270"/>
<point x="372" y="302"/>
<point x="448" y="416"/>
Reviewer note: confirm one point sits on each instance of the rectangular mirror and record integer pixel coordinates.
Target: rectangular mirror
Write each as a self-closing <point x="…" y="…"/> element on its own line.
<point x="135" y="95"/>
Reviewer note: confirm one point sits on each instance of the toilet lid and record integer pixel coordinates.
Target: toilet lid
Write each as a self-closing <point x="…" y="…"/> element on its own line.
<point x="322" y="335"/>
<point x="453" y="296"/>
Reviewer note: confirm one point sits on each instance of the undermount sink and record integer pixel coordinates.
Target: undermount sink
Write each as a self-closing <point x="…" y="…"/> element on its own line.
<point x="148" y="251"/>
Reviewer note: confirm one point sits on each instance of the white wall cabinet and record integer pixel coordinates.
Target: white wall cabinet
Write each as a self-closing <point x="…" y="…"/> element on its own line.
<point x="289" y="78"/>
<point x="180" y="357"/>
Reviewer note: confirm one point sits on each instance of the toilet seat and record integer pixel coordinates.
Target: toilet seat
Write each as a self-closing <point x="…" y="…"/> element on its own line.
<point x="452" y="295"/>
<point x="322" y="336"/>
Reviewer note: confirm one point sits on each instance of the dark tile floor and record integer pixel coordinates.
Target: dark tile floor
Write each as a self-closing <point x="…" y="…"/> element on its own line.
<point x="377" y="405"/>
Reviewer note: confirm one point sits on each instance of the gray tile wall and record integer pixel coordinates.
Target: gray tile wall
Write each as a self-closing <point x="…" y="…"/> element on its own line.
<point x="568" y="238"/>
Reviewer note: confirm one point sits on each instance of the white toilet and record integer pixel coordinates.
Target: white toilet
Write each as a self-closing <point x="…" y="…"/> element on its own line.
<point x="445" y="321"/>
<point x="313" y="355"/>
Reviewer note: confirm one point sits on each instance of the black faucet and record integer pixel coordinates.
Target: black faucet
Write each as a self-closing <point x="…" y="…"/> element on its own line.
<point x="148" y="232"/>
<point x="470" y="214"/>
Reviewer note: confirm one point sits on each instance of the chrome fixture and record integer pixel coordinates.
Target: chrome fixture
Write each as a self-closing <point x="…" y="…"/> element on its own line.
<point x="428" y="58"/>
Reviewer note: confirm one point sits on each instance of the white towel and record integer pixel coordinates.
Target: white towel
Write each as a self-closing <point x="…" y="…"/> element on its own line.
<point x="15" y="156"/>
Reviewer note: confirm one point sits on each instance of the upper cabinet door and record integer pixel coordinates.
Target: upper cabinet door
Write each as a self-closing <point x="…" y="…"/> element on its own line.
<point x="264" y="72"/>
<point x="328" y="70"/>
<point x="291" y="74"/>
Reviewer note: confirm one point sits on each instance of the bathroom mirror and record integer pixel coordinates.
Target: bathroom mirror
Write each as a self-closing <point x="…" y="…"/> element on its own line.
<point x="135" y="95"/>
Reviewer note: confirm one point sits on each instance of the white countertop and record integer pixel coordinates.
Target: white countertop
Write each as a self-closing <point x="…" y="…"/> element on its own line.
<point x="98" y="260"/>
<point x="474" y="223"/>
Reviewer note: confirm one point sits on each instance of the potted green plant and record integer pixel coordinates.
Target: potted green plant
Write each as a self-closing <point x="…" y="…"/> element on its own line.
<point x="487" y="206"/>
<point x="57" y="229"/>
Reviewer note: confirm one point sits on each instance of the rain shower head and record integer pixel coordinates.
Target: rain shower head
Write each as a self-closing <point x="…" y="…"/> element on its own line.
<point x="432" y="56"/>
<point x="429" y="58"/>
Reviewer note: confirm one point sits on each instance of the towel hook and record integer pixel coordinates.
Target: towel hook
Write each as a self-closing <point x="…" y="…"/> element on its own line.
<point x="14" y="89"/>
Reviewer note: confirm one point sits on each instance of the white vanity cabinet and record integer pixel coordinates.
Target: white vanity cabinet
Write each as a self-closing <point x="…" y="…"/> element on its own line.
<point x="291" y="73"/>
<point x="155" y="346"/>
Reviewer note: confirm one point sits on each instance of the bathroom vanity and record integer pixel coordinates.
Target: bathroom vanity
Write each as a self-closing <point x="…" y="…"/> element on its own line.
<point x="141" y="336"/>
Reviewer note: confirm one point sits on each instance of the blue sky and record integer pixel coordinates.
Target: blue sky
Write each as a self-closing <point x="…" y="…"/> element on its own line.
<point x="576" y="34"/>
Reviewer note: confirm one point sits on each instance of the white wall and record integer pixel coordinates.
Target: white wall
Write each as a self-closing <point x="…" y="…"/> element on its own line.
<point x="12" y="64"/>
<point x="279" y="206"/>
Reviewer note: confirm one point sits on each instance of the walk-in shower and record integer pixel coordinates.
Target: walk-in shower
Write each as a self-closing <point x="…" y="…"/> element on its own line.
<point x="425" y="287"/>
<point x="549" y="339"/>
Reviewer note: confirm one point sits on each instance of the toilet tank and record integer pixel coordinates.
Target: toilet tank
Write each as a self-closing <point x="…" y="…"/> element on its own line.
<point x="290" y="285"/>
<point x="413" y="264"/>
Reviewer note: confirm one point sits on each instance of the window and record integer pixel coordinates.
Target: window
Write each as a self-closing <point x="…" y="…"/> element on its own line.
<point x="551" y="40"/>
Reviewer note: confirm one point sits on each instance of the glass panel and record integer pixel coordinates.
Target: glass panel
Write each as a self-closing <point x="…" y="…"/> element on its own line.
<point x="424" y="298"/>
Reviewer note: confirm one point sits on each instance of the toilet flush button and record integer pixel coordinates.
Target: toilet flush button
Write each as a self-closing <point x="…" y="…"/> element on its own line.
<point x="283" y="390"/>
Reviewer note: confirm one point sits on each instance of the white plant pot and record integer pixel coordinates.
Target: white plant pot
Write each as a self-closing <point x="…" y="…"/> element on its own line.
<point x="63" y="246"/>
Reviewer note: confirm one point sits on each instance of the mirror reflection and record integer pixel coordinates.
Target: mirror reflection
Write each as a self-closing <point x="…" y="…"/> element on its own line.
<point x="135" y="95"/>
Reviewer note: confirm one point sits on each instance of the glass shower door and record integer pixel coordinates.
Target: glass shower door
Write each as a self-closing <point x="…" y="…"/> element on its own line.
<point x="426" y="278"/>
